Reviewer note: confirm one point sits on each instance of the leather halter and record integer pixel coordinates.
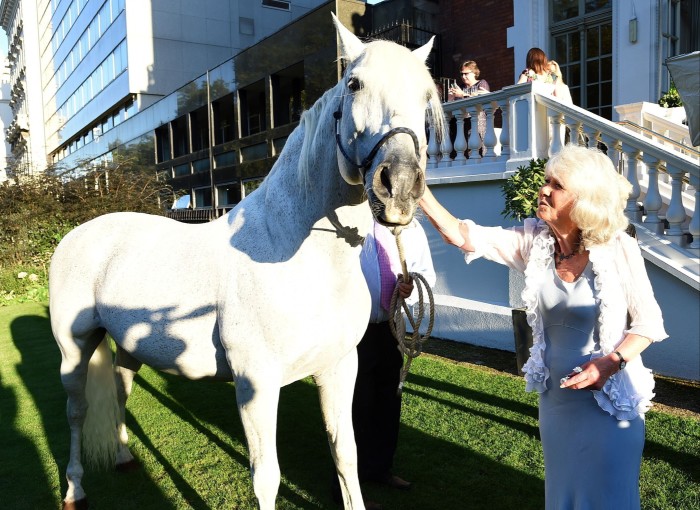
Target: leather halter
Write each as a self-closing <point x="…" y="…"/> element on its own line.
<point x="367" y="162"/>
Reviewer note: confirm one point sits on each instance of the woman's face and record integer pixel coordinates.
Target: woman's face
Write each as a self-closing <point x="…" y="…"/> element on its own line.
<point x="555" y="203"/>
<point x="467" y="76"/>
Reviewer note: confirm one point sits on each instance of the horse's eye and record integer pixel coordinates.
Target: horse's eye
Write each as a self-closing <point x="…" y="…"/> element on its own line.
<point x="354" y="84"/>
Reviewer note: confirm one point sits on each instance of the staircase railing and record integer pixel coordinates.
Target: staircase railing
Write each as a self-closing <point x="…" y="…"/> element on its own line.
<point x="665" y="194"/>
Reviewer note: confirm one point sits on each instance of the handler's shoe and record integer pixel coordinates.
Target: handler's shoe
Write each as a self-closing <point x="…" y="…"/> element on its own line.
<point x="396" y="482"/>
<point x="371" y="505"/>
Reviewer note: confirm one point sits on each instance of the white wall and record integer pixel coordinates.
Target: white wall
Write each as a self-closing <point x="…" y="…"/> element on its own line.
<point x="473" y="302"/>
<point x="636" y="66"/>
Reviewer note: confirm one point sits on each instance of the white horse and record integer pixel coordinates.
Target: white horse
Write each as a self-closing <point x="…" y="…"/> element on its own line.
<point x="266" y="295"/>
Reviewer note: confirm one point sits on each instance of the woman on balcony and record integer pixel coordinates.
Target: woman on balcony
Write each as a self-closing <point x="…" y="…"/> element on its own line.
<point x="472" y="85"/>
<point x="592" y="312"/>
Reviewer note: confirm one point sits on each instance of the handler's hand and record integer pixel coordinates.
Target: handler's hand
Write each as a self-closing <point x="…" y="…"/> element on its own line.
<point x="594" y="374"/>
<point x="405" y="288"/>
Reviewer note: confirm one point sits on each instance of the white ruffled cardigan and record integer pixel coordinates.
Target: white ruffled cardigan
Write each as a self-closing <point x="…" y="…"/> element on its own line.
<point x="621" y="287"/>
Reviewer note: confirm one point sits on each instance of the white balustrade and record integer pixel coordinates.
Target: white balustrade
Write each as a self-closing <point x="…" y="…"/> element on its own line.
<point x="664" y="179"/>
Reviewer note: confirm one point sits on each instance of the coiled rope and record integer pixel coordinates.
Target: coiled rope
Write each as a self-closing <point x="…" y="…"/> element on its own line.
<point x="410" y="346"/>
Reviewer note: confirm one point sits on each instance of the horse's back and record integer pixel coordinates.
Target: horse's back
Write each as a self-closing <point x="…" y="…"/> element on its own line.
<point x="147" y="280"/>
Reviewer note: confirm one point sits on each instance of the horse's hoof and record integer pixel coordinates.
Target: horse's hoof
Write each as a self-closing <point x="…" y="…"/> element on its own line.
<point x="81" y="504"/>
<point x="128" y="467"/>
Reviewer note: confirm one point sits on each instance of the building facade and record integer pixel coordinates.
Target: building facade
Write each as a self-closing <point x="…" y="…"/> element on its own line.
<point x="25" y="133"/>
<point x="80" y="67"/>
<point x="5" y="117"/>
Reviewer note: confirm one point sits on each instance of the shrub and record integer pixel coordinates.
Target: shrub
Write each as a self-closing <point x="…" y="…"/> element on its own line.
<point x="671" y="99"/>
<point x="41" y="209"/>
<point x="520" y="191"/>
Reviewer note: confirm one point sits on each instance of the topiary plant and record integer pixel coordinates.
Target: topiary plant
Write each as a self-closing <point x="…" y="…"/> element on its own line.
<point x="671" y="99"/>
<point x="521" y="189"/>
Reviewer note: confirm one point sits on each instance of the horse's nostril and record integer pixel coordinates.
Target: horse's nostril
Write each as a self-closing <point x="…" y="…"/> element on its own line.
<point x="386" y="182"/>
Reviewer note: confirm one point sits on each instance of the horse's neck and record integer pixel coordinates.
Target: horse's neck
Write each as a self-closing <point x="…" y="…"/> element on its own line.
<point x="320" y="195"/>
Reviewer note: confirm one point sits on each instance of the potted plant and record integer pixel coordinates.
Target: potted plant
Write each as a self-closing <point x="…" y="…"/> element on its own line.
<point x="520" y="192"/>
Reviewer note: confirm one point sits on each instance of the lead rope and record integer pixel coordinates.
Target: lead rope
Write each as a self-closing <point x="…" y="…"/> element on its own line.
<point x="412" y="346"/>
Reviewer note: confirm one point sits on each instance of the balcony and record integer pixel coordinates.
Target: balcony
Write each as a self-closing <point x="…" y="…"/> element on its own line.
<point x="472" y="306"/>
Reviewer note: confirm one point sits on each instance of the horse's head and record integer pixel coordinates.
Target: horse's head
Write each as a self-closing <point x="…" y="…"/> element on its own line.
<point x="386" y="92"/>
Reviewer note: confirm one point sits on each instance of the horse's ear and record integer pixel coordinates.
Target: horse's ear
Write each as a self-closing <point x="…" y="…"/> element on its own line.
<point x="350" y="45"/>
<point x="423" y="52"/>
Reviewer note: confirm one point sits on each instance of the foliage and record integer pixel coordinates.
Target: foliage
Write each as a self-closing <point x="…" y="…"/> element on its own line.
<point x="22" y="284"/>
<point x="38" y="210"/>
<point x="671" y="99"/>
<point x="521" y="190"/>
<point x="467" y="432"/>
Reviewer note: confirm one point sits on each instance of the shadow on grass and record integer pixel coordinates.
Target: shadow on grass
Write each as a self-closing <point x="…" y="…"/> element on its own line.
<point x="39" y="370"/>
<point x="477" y="396"/>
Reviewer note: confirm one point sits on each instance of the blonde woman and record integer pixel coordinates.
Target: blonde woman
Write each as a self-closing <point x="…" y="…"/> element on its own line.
<point x="561" y="89"/>
<point x="583" y="276"/>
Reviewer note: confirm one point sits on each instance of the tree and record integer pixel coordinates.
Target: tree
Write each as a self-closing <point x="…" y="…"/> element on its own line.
<point x="40" y="209"/>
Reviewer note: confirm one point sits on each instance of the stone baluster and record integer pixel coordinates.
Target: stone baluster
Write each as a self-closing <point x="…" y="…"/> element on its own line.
<point x="505" y="129"/>
<point x="558" y="129"/>
<point x="474" y="138"/>
<point x="460" y="145"/>
<point x="446" y="145"/>
<point x="632" y="210"/>
<point x="652" y="200"/>
<point x="675" y="213"/>
<point x="490" y="135"/>
<point x="433" y="147"/>
<point x="694" y="225"/>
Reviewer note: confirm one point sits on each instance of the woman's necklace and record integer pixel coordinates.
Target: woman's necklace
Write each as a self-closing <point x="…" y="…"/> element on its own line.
<point x="561" y="257"/>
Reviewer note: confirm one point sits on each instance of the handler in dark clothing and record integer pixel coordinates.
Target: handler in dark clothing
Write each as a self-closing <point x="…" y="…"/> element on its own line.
<point x="376" y="409"/>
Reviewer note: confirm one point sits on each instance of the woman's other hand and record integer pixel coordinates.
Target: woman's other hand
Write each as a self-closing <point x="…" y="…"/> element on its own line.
<point x="592" y="375"/>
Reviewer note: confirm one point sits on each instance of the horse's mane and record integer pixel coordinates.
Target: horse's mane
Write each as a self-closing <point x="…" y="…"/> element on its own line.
<point x="309" y="124"/>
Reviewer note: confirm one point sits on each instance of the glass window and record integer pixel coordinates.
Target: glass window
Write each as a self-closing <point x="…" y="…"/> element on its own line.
<point x="199" y="123"/>
<point x="163" y="144"/>
<point x="181" y="144"/>
<point x="202" y="197"/>
<point x="251" y="185"/>
<point x="288" y="95"/>
<point x="224" y="123"/>
<point x="252" y="104"/>
<point x="181" y="170"/>
<point x="227" y="194"/>
<point x="225" y="159"/>
<point x="200" y="165"/>
<point x="583" y="49"/>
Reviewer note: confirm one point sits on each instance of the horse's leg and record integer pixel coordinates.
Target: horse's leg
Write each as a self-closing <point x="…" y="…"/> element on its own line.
<point x="126" y="367"/>
<point x="336" y="386"/>
<point x="76" y="353"/>
<point x="257" y="404"/>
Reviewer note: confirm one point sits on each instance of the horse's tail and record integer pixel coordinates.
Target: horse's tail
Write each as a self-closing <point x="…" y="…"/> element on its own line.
<point x="100" y="439"/>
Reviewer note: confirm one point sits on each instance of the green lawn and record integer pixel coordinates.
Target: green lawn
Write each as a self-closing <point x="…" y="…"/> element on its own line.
<point x="469" y="439"/>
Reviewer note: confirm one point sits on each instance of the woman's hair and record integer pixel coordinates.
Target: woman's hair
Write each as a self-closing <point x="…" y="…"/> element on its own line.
<point x="601" y="193"/>
<point x="555" y="69"/>
<point x="471" y="66"/>
<point x="536" y="60"/>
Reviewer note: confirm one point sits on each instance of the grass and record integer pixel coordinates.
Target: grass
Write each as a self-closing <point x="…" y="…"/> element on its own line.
<point x="469" y="438"/>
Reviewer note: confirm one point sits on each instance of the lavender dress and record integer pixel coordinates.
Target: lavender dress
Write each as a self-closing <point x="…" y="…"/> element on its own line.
<point x="591" y="458"/>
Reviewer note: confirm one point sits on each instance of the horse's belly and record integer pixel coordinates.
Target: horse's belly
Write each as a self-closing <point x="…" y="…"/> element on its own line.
<point x="174" y="341"/>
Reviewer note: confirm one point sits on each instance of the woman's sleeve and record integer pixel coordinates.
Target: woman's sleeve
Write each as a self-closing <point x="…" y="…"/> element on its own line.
<point x="484" y="85"/>
<point x="645" y="313"/>
<point x="505" y="246"/>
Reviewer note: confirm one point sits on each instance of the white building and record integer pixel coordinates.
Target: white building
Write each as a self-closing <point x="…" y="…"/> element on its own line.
<point x="5" y="116"/>
<point x="25" y="132"/>
<point x="94" y="63"/>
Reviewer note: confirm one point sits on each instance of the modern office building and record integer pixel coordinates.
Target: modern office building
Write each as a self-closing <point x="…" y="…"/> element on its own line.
<point x="91" y="64"/>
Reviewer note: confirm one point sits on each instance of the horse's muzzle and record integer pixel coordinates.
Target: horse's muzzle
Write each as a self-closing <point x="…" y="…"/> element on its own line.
<point x="397" y="187"/>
